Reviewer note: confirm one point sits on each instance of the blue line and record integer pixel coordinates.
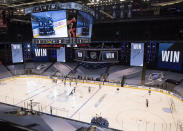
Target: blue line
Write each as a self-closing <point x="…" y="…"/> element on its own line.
<point x="100" y="100"/>
<point x="32" y="96"/>
<point x="84" y="103"/>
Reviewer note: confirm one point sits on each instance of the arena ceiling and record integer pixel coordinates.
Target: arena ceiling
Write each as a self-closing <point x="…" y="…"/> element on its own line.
<point x="26" y="3"/>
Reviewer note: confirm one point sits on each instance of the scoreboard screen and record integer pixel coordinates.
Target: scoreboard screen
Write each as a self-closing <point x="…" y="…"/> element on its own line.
<point x="84" y="25"/>
<point x="50" y="24"/>
<point x="61" y="27"/>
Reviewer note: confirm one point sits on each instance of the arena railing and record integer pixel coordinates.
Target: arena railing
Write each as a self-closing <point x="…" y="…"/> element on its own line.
<point x="26" y="109"/>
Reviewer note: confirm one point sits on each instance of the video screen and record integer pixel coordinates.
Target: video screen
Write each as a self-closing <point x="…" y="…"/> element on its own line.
<point x="49" y="24"/>
<point x="71" y="23"/>
<point x="61" y="54"/>
<point x="137" y="54"/>
<point x="17" y="55"/>
<point x="170" y="56"/>
<point x="110" y="55"/>
<point x="84" y="25"/>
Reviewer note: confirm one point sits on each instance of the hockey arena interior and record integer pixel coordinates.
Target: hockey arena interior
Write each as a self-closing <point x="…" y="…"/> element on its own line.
<point x="91" y="65"/>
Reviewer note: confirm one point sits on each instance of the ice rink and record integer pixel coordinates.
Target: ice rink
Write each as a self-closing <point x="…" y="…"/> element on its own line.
<point x="128" y="109"/>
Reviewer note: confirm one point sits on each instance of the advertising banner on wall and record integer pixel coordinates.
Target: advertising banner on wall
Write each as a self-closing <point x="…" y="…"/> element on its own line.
<point x="110" y="56"/>
<point x="39" y="54"/>
<point x="17" y="55"/>
<point x="61" y="54"/>
<point x="137" y="54"/>
<point x="79" y="54"/>
<point x="170" y="56"/>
